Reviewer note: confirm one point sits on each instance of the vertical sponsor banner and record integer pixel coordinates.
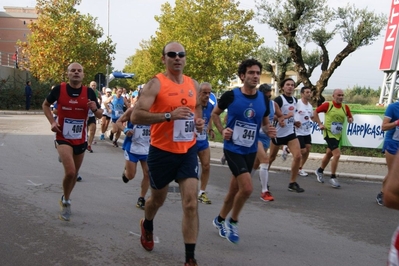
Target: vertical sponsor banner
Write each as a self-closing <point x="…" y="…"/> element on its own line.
<point x="390" y="51"/>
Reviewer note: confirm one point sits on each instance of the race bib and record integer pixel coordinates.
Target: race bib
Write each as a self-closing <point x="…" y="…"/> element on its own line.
<point x="244" y="133"/>
<point x="183" y="130"/>
<point x="142" y="132"/>
<point x="118" y="113"/>
<point x="396" y="134"/>
<point x="73" y="128"/>
<point x="336" y="128"/>
<point x="203" y="134"/>
<point x="305" y="126"/>
<point x="290" y="120"/>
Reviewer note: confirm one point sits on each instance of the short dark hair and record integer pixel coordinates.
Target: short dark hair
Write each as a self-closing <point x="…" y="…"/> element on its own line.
<point x="282" y="83"/>
<point x="27" y="83"/>
<point x="305" y="88"/>
<point x="163" y="49"/>
<point x="264" y="88"/>
<point x="242" y="68"/>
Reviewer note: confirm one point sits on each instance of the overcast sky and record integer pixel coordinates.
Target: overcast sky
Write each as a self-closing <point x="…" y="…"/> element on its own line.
<point x="131" y="21"/>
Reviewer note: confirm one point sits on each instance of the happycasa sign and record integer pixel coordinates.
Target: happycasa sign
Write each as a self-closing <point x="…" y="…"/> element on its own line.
<point x="365" y="132"/>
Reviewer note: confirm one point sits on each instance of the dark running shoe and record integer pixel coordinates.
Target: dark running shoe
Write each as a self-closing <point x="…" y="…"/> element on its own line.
<point x="124" y="178"/>
<point x="140" y="203"/>
<point x="191" y="262"/>
<point x="294" y="187"/>
<point x="379" y="199"/>
<point x="146" y="238"/>
<point x="79" y="178"/>
<point x="115" y="144"/>
<point x="89" y="149"/>
<point x="111" y="136"/>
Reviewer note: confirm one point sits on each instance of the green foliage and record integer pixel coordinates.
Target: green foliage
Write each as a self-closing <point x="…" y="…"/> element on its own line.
<point x="12" y="94"/>
<point x="298" y="23"/>
<point x="60" y="36"/>
<point x="215" y="33"/>
<point x="362" y="95"/>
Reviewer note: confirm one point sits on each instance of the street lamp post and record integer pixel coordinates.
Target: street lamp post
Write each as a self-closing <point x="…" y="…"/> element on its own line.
<point x="107" y="77"/>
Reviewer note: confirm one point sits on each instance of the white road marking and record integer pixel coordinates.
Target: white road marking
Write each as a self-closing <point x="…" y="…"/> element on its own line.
<point x="156" y="239"/>
<point x="33" y="184"/>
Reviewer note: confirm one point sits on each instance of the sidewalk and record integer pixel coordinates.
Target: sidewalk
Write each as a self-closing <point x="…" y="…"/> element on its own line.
<point x="359" y="167"/>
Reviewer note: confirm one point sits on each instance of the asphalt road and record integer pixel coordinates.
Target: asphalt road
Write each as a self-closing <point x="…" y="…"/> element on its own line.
<point x="322" y="226"/>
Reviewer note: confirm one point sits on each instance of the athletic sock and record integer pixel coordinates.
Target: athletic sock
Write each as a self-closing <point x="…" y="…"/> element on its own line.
<point x="264" y="176"/>
<point x="232" y="221"/>
<point x="220" y="219"/>
<point x="148" y="225"/>
<point x="190" y="249"/>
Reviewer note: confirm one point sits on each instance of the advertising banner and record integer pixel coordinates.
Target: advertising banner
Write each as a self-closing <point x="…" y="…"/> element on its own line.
<point x="365" y="132"/>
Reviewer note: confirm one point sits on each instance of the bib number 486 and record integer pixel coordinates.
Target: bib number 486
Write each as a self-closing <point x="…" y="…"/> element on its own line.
<point x="77" y="128"/>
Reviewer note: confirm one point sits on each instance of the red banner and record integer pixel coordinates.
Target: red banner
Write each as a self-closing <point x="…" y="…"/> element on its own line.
<point x="389" y="52"/>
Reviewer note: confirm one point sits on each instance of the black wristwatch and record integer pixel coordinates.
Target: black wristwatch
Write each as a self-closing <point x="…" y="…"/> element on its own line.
<point x="168" y="116"/>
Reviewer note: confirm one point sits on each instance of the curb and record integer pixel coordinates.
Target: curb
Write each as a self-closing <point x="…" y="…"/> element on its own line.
<point x="19" y="112"/>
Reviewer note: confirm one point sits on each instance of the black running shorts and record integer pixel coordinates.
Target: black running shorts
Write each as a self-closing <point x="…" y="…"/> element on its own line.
<point x="164" y="166"/>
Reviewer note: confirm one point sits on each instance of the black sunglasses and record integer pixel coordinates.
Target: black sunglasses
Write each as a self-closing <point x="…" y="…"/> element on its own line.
<point x="174" y="54"/>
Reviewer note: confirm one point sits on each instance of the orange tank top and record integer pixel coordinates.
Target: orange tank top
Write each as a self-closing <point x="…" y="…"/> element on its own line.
<point x="176" y="136"/>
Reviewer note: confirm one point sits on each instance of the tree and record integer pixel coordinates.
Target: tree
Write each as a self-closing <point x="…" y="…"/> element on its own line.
<point x="62" y="35"/>
<point x="300" y="22"/>
<point x="216" y="35"/>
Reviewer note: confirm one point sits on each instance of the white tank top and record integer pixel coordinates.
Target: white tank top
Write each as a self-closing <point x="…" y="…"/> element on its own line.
<point x="288" y="129"/>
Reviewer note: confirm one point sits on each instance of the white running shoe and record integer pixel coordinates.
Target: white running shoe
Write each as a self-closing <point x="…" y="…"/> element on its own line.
<point x="302" y="173"/>
<point x="334" y="183"/>
<point x="319" y="176"/>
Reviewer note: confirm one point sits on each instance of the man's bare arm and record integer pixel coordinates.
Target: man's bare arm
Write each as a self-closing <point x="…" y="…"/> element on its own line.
<point x="141" y="114"/>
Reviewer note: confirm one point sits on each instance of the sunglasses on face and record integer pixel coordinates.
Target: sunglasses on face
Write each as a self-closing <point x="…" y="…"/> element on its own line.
<point x="174" y="54"/>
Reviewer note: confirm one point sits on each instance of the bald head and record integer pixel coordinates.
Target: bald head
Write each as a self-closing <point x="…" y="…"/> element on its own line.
<point x="75" y="75"/>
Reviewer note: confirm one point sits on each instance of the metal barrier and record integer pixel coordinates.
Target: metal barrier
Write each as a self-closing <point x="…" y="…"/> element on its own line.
<point x="8" y="59"/>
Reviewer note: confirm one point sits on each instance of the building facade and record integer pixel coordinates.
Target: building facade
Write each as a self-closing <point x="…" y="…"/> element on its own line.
<point x="14" y="23"/>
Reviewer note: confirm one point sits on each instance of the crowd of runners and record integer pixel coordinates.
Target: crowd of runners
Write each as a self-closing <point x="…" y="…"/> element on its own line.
<point x="167" y="125"/>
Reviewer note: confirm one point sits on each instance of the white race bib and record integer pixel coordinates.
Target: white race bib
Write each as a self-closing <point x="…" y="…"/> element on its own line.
<point x="183" y="130"/>
<point x="142" y="132"/>
<point x="202" y="135"/>
<point x="244" y="133"/>
<point x="73" y="128"/>
<point x="336" y="128"/>
<point x="396" y="134"/>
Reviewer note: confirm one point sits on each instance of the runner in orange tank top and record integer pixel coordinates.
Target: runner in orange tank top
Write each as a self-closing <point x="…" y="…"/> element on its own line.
<point x="169" y="104"/>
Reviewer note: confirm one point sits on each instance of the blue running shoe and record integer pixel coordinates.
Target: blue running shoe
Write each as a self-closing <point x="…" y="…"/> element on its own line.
<point x="102" y="137"/>
<point x="232" y="232"/>
<point x="220" y="226"/>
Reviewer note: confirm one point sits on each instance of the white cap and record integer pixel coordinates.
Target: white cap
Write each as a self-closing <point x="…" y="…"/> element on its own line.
<point x="108" y="90"/>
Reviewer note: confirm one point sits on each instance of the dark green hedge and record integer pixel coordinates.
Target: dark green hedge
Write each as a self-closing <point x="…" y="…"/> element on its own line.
<point x="12" y="94"/>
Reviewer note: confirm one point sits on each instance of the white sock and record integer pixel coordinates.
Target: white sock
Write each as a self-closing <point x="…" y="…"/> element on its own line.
<point x="200" y="192"/>
<point x="264" y="176"/>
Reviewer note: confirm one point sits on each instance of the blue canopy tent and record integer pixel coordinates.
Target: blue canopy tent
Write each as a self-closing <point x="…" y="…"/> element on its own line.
<point x="120" y="75"/>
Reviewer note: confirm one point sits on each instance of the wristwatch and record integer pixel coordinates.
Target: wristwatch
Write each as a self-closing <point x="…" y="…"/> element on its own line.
<point x="168" y="116"/>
